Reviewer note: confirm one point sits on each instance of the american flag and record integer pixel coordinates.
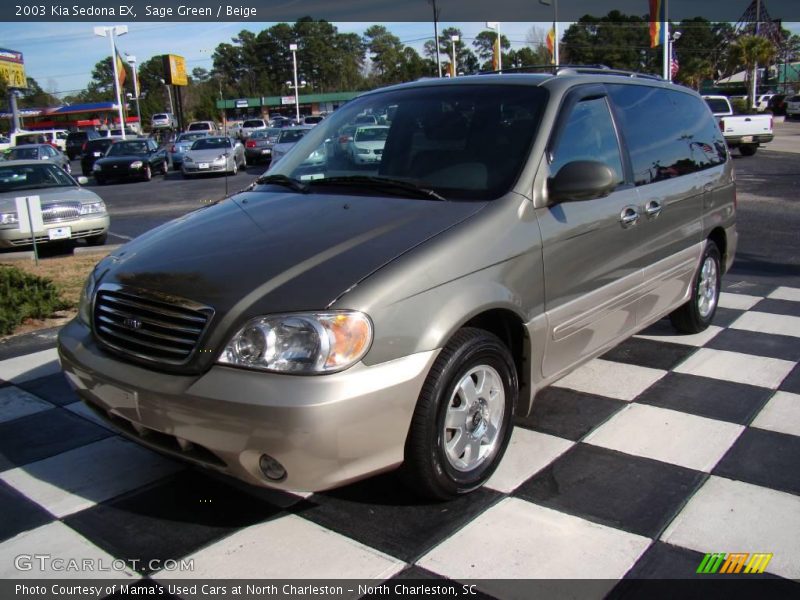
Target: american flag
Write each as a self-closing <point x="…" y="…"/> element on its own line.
<point x="673" y="63"/>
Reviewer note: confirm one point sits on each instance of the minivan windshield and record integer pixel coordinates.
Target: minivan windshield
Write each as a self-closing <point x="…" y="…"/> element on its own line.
<point x="467" y="141"/>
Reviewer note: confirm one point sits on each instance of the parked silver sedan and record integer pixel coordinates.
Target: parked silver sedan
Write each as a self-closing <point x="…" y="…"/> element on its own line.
<point x="181" y="145"/>
<point x="40" y="152"/>
<point x="68" y="211"/>
<point x="214" y="154"/>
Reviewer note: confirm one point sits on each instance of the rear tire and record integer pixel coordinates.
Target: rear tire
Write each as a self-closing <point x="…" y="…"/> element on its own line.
<point x="748" y="150"/>
<point x="696" y="315"/>
<point x="462" y="421"/>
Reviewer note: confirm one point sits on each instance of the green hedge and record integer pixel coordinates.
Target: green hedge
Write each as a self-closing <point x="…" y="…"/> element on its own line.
<point x="24" y="296"/>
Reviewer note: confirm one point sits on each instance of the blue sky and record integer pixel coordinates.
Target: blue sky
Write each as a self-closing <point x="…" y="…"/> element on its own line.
<point x="60" y="56"/>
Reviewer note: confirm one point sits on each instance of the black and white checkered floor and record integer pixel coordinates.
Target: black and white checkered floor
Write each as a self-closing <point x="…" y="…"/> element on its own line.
<point x="633" y="466"/>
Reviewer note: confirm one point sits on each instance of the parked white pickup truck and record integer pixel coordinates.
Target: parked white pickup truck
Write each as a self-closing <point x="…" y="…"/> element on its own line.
<point x="746" y="132"/>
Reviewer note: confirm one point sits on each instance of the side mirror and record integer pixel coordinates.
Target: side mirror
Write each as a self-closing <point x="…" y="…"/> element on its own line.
<point x="581" y="180"/>
<point x="83" y="180"/>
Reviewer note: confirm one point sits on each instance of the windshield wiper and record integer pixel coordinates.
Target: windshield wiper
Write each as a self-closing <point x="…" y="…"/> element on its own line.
<point x="292" y="184"/>
<point x="380" y="183"/>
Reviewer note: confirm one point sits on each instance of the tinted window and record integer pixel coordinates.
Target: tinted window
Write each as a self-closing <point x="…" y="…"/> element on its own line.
<point x="123" y="148"/>
<point x="99" y="145"/>
<point x="255" y="123"/>
<point x="589" y="135"/>
<point x="23" y="154"/>
<point x="26" y="177"/>
<point x="700" y="132"/>
<point x="290" y="136"/>
<point x="209" y="143"/>
<point x="718" y="105"/>
<point x="77" y="136"/>
<point x="655" y="131"/>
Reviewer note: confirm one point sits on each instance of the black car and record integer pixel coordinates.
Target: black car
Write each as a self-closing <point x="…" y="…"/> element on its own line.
<point x="93" y="150"/>
<point x="131" y="159"/>
<point x="76" y="140"/>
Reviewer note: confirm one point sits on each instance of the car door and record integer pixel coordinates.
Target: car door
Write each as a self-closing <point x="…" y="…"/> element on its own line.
<point x="592" y="269"/>
<point x="667" y="159"/>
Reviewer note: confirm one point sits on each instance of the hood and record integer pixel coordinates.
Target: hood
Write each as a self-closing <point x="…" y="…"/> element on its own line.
<point x="53" y="195"/>
<point x="260" y="253"/>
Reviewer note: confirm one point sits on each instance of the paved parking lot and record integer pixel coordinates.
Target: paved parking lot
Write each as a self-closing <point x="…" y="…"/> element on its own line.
<point x="634" y="466"/>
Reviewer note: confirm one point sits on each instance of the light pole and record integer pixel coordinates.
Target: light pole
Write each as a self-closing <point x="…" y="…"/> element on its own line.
<point x="169" y="95"/>
<point x="109" y="33"/>
<point x="436" y="35"/>
<point x="293" y="48"/>
<point x="676" y="35"/>
<point x="496" y="27"/>
<point x="132" y="63"/>
<point x="453" y="40"/>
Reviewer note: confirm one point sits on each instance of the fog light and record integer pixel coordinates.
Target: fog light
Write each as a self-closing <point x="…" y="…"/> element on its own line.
<point x="271" y="468"/>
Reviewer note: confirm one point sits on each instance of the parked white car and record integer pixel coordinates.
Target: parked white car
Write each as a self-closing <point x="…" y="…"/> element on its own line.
<point x="366" y="146"/>
<point x="746" y="132"/>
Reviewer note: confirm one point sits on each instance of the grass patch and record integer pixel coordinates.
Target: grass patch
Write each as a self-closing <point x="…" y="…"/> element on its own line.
<point x="30" y="294"/>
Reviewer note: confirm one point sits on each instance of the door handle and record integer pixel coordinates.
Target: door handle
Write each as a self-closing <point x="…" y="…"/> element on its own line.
<point x="629" y="216"/>
<point x="653" y="209"/>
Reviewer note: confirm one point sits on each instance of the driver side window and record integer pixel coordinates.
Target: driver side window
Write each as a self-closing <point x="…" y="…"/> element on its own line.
<point x="589" y="134"/>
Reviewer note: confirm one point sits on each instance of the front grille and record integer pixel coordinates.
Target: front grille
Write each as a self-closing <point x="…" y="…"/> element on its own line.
<point x="149" y="326"/>
<point x="65" y="211"/>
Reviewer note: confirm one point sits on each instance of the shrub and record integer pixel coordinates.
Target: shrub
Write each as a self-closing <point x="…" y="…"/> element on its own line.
<point x="24" y="296"/>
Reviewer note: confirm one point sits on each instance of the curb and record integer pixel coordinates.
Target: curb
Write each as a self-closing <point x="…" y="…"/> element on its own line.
<point x="95" y="249"/>
<point x="16" y="256"/>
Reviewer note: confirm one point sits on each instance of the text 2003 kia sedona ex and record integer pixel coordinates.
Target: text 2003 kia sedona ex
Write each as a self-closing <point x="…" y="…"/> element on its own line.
<point x="346" y="316"/>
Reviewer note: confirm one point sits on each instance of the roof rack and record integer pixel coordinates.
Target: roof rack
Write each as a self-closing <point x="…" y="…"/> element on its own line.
<point x="574" y="70"/>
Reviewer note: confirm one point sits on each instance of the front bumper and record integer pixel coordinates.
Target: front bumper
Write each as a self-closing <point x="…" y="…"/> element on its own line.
<point x="325" y="430"/>
<point x="193" y="168"/>
<point x="88" y="226"/>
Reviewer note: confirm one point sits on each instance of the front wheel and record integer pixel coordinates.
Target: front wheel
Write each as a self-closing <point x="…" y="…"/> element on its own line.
<point x="462" y="422"/>
<point x="148" y="174"/>
<point x="696" y="315"/>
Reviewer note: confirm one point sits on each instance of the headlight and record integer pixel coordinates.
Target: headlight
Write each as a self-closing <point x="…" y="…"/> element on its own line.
<point x="188" y="159"/>
<point x="9" y="218"/>
<point x="97" y="167"/>
<point x="93" y="208"/>
<point x="85" y="302"/>
<point x="301" y="343"/>
<point x="137" y="164"/>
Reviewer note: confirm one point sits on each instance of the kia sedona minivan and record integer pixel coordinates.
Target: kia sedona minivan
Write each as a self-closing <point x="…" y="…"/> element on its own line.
<point x="338" y="319"/>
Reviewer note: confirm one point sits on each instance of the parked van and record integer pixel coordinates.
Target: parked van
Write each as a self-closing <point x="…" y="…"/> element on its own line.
<point x="55" y="137"/>
<point x="336" y="320"/>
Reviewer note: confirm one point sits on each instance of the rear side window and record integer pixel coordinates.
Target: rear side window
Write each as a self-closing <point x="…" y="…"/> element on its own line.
<point x="254" y="124"/>
<point x="77" y="136"/>
<point x="589" y="134"/>
<point x="668" y="134"/>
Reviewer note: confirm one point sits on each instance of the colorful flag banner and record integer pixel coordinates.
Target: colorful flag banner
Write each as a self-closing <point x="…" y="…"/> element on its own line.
<point x="657" y="19"/>
<point x="120" y="69"/>
<point x="550" y="40"/>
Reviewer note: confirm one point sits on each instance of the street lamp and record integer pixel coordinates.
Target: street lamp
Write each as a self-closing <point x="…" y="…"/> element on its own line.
<point x="293" y="48"/>
<point x="494" y="25"/>
<point x="676" y="35"/>
<point x="109" y="33"/>
<point x="169" y="95"/>
<point x="453" y="40"/>
<point x="132" y="63"/>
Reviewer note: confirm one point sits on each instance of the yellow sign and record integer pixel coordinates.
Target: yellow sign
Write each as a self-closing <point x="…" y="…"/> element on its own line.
<point x="175" y="70"/>
<point x="12" y="68"/>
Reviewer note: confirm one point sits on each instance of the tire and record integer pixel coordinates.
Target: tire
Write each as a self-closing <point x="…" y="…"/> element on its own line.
<point x="148" y="174"/>
<point x="235" y="168"/>
<point x="164" y="168"/>
<point x="748" y="150"/>
<point x="436" y="465"/>
<point x="97" y="240"/>
<point x="99" y="180"/>
<point x="696" y="315"/>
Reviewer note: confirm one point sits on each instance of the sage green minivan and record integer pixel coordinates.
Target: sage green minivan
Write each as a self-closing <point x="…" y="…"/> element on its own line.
<point x="344" y="317"/>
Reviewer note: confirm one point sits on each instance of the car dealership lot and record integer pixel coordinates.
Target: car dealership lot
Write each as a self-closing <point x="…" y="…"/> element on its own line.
<point x="634" y="466"/>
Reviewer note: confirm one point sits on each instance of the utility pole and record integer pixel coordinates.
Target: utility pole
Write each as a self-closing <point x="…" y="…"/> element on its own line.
<point x="436" y="35"/>
<point x="293" y="48"/>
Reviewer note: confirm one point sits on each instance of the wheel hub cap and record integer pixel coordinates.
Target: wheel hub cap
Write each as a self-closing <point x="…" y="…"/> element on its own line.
<point x="473" y="418"/>
<point x="707" y="288"/>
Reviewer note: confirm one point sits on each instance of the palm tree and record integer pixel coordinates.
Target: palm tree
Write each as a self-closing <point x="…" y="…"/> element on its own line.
<point x="749" y="51"/>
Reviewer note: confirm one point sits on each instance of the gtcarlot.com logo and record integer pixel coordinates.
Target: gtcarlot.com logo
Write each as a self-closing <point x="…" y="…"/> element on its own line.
<point x="48" y="562"/>
<point x="734" y="562"/>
